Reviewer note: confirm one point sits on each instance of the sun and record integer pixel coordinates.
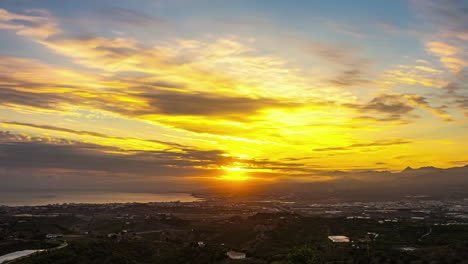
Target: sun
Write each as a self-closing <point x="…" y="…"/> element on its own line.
<point x="234" y="174"/>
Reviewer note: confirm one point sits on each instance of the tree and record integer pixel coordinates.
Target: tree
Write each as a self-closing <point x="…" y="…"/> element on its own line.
<point x="303" y="255"/>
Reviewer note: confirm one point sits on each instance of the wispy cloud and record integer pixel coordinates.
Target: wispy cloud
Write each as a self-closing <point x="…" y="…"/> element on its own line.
<point x="129" y="17"/>
<point x="449" y="41"/>
<point x="378" y="143"/>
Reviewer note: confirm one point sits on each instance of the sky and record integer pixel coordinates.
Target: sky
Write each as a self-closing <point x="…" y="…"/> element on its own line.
<point x="153" y="94"/>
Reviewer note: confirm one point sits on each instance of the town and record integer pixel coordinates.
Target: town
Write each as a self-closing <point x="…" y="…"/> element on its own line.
<point x="221" y="230"/>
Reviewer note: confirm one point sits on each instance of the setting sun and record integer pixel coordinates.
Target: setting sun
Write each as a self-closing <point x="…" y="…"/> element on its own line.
<point x="234" y="174"/>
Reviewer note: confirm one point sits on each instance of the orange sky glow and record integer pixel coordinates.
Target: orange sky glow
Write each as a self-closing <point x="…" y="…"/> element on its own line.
<point x="126" y="95"/>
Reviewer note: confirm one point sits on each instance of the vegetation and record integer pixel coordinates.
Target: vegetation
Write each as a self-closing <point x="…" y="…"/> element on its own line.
<point x="112" y="252"/>
<point x="304" y="255"/>
<point x="265" y="238"/>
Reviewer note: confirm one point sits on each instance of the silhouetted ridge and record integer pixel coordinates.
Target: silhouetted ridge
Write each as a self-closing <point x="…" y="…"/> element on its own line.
<point x="407" y="169"/>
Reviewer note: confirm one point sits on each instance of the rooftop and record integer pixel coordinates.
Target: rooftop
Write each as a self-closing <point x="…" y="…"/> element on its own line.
<point x="339" y="239"/>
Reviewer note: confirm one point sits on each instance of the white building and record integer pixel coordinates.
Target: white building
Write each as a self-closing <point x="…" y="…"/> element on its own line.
<point x="50" y="236"/>
<point x="235" y="255"/>
<point x="339" y="239"/>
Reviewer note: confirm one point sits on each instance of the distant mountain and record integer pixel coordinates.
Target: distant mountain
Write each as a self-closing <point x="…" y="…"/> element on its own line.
<point x="407" y="169"/>
<point x="374" y="185"/>
<point x="420" y="171"/>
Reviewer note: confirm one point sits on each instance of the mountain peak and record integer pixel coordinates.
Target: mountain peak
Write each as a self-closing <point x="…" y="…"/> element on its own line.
<point x="407" y="169"/>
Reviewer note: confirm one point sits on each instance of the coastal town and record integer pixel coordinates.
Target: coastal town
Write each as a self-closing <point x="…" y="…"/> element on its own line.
<point x="240" y="230"/>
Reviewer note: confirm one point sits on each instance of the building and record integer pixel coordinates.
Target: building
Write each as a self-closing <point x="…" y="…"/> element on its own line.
<point x="50" y="236"/>
<point x="235" y="255"/>
<point x="339" y="239"/>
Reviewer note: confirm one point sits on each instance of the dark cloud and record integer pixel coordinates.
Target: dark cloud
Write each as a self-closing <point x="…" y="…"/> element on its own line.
<point x="396" y="107"/>
<point x="422" y="101"/>
<point x="387" y="103"/>
<point x="154" y="96"/>
<point x="388" y="118"/>
<point x="25" y="152"/>
<point x="166" y="84"/>
<point x="38" y="100"/>
<point x="7" y="137"/>
<point x="382" y="143"/>
<point x="350" y="77"/>
<point x="453" y="88"/>
<point x="204" y="104"/>
<point x="457" y="94"/>
<point x="393" y="107"/>
<point x="17" y="151"/>
<point x="88" y="133"/>
<point x="379" y="143"/>
<point x="43" y="162"/>
<point x="157" y="102"/>
<point x="51" y="163"/>
<point x="461" y="102"/>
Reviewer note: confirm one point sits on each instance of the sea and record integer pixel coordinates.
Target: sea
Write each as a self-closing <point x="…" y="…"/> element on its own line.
<point x="24" y="198"/>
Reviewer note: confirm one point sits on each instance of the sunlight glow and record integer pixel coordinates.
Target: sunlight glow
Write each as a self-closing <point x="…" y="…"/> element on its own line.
<point x="234" y="174"/>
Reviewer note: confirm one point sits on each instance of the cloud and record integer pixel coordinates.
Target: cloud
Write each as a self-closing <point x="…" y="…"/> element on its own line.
<point x="37" y="27"/>
<point x="353" y="69"/>
<point x="387" y="103"/>
<point x="422" y="102"/>
<point x="7" y="137"/>
<point x="128" y="17"/>
<point x="350" y="78"/>
<point x="462" y="104"/>
<point x="5" y="15"/>
<point x="163" y="103"/>
<point x="160" y="100"/>
<point x="448" y="16"/>
<point x="379" y="143"/>
<point x="393" y="107"/>
<point x="49" y="101"/>
<point x="216" y="64"/>
<point x="449" y="40"/>
<point x="457" y="93"/>
<point x="20" y="151"/>
<point x="441" y="49"/>
<point x="46" y="162"/>
<point x="24" y="82"/>
<point x="454" y="64"/>
<point x="396" y="107"/>
<point x="50" y="163"/>
<point x="39" y="31"/>
<point x="447" y="54"/>
<point x="427" y="69"/>
<point x="205" y="104"/>
<point x="415" y="75"/>
<point x="89" y="133"/>
<point x="216" y="92"/>
<point x="9" y="26"/>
